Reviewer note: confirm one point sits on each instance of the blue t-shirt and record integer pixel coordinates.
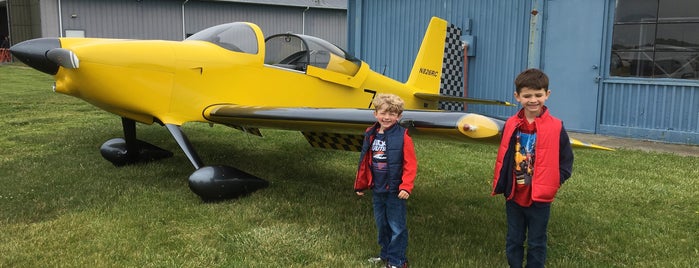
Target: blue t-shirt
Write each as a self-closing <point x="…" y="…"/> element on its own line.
<point x="524" y="158"/>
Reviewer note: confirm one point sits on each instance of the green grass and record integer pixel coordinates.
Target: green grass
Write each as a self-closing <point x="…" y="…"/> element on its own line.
<point x="63" y="205"/>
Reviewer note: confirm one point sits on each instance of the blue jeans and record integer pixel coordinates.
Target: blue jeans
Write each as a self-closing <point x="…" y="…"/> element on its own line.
<point x="390" y="216"/>
<point x="530" y="223"/>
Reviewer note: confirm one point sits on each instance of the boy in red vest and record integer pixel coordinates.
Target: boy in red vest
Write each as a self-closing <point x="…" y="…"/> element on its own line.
<point x="387" y="167"/>
<point x="534" y="159"/>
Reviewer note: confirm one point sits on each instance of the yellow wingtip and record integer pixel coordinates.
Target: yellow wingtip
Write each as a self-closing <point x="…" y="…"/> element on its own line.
<point x="478" y="126"/>
<point x="580" y="144"/>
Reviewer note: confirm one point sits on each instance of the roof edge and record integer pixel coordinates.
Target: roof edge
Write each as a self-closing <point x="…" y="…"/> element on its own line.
<point x="328" y="4"/>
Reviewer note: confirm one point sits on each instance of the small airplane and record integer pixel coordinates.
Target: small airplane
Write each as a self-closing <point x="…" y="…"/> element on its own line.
<point x="230" y="74"/>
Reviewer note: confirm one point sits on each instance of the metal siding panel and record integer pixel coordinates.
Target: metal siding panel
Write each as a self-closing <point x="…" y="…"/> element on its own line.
<point x="49" y="19"/>
<point x="161" y="20"/>
<point x="24" y="20"/>
<point x="391" y="32"/>
<point x="325" y="4"/>
<point x="124" y="19"/>
<point x="502" y="29"/>
<point x="354" y="16"/>
<point x="650" y="111"/>
<point x="325" y="23"/>
<point x="201" y="15"/>
<point x="328" y="24"/>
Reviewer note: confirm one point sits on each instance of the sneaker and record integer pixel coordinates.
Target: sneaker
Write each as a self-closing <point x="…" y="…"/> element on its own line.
<point x="376" y="260"/>
<point x="405" y="265"/>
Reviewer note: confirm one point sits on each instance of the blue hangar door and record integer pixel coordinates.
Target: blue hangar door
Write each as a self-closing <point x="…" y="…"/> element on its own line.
<point x="571" y="56"/>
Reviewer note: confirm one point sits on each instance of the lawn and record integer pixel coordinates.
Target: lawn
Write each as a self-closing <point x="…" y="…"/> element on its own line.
<point x="63" y="205"/>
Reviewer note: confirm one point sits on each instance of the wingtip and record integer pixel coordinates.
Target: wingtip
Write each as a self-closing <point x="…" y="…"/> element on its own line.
<point x="580" y="144"/>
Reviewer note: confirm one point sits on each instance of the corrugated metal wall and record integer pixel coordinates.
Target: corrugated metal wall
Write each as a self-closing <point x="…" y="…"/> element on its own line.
<point x="24" y="14"/>
<point x="651" y="111"/>
<point x="329" y="24"/>
<point x="390" y="32"/>
<point x="153" y="19"/>
<point x="163" y="19"/>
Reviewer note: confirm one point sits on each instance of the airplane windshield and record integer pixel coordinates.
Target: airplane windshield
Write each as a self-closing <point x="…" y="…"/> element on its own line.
<point x="296" y="51"/>
<point x="236" y="36"/>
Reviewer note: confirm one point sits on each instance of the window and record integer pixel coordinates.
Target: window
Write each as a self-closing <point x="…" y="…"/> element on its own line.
<point x="297" y="51"/>
<point x="656" y="39"/>
<point x="75" y="33"/>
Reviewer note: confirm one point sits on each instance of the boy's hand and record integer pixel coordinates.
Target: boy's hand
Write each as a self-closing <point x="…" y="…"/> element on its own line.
<point x="359" y="193"/>
<point x="403" y="194"/>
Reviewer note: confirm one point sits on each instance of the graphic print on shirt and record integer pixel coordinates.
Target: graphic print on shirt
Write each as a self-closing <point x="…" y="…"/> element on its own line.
<point x="524" y="158"/>
<point x="378" y="149"/>
<point x="379" y="164"/>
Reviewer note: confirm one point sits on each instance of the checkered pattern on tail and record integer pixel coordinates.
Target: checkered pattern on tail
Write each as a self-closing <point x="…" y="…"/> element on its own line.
<point x="345" y="142"/>
<point x="452" y="83"/>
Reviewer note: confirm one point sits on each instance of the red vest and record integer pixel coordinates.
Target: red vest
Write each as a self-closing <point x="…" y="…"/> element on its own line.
<point x="546" y="178"/>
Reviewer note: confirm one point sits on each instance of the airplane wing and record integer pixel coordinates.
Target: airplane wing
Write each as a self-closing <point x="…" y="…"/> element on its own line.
<point x="343" y="128"/>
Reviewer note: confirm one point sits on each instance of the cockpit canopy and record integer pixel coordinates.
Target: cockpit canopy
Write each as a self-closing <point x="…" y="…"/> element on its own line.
<point x="235" y="36"/>
<point x="297" y="51"/>
<point x="290" y="51"/>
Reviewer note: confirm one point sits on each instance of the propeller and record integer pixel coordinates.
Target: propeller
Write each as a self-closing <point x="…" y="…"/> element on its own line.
<point x="63" y="57"/>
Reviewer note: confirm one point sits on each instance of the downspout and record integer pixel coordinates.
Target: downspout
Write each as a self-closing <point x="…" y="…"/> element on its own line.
<point x="535" y="30"/>
<point x="184" y="31"/>
<point x="465" y="71"/>
<point x="303" y="20"/>
<point x="354" y="21"/>
<point x="60" y="20"/>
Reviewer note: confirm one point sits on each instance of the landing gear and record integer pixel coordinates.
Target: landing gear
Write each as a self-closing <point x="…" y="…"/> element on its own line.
<point x="215" y="182"/>
<point x="130" y="150"/>
<point x="208" y="182"/>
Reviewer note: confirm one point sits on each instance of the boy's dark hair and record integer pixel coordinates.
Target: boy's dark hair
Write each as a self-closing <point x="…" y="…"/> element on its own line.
<point x="532" y="78"/>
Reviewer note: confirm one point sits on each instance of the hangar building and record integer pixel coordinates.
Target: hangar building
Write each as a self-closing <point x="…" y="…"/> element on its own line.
<point x="625" y="68"/>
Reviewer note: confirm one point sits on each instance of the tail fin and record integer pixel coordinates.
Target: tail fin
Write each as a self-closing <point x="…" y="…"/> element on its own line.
<point x="438" y="68"/>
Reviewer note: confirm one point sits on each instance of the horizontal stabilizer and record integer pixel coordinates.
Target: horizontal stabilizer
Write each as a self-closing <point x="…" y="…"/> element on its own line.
<point x="439" y="97"/>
